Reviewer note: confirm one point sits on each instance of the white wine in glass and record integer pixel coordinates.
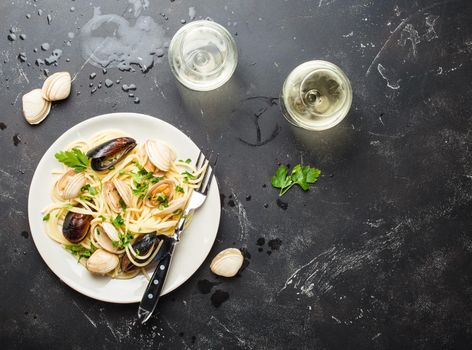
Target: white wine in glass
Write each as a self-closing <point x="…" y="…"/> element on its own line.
<point x="316" y="95"/>
<point x="203" y="55"/>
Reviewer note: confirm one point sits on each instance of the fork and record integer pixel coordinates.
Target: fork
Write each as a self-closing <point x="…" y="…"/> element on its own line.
<point x="197" y="198"/>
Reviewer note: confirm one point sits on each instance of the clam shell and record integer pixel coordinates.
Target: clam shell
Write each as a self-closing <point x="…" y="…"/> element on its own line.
<point x="70" y="184"/>
<point x="112" y="196"/>
<point x="57" y="86"/>
<point x="125" y="192"/>
<point x="108" y="234"/>
<point x="166" y="187"/>
<point x="160" y="154"/>
<point x="35" y="107"/>
<point x="227" y="263"/>
<point x="102" y="262"/>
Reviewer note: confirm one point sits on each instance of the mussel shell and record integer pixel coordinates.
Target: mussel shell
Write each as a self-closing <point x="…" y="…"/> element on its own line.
<point x="143" y="245"/>
<point x="110" y="152"/>
<point x="76" y="226"/>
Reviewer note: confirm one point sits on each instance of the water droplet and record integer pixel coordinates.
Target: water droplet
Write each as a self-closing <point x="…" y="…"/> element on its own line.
<point x="93" y="90"/>
<point x="137" y="100"/>
<point x="40" y="12"/>
<point x="22" y="36"/>
<point x="281" y="204"/>
<point x="70" y="35"/>
<point x="72" y="9"/>
<point x="104" y="71"/>
<point x="183" y="21"/>
<point x="39" y="62"/>
<point x="11" y="37"/>
<point x="28" y="16"/>
<point x="49" y="18"/>
<point x="99" y="85"/>
<point x="35" y="49"/>
<point x="13" y="30"/>
<point x="219" y="297"/>
<point x="91" y="84"/>
<point x="67" y="59"/>
<point x="56" y="54"/>
<point x="108" y="83"/>
<point x="45" y="46"/>
<point x="248" y="198"/>
<point x="92" y="75"/>
<point x="22" y="56"/>
<point x="131" y="94"/>
<point x="126" y="87"/>
<point x="16" y="139"/>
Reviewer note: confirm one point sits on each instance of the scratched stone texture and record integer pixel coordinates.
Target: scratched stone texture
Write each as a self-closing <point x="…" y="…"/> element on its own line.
<point x="378" y="255"/>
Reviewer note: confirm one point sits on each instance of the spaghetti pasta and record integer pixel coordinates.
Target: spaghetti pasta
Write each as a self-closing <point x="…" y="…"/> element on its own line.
<point x="131" y="202"/>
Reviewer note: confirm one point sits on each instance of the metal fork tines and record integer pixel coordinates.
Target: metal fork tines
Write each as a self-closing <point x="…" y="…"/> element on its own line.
<point x="200" y="193"/>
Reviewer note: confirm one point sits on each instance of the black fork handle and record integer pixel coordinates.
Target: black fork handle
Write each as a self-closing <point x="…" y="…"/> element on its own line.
<point x="153" y="290"/>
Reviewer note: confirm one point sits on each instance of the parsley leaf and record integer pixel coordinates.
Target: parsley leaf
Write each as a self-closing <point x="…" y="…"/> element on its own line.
<point x="118" y="221"/>
<point x="74" y="158"/>
<point x="188" y="161"/>
<point x="80" y="251"/>
<point x="190" y="176"/>
<point x="90" y="189"/>
<point x="300" y="175"/>
<point x="46" y="217"/>
<point x="124" y="239"/>
<point x="123" y="204"/>
<point x="179" y="189"/>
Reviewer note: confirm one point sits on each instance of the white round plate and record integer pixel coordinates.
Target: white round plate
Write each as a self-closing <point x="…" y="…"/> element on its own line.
<point x="190" y="253"/>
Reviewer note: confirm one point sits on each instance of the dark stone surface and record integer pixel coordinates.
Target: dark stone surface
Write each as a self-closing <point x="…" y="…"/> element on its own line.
<point x="378" y="255"/>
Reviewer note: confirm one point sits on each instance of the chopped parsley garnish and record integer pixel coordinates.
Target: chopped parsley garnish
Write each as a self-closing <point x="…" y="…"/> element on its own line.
<point x="118" y="221"/>
<point x="179" y="189"/>
<point x="163" y="201"/>
<point x="46" y="217"/>
<point x="190" y="176"/>
<point x="74" y="158"/>
<point x="92" y="191"/>
<point x="300" y="175"/>
<point x="124" y="239"/>
<point x="68" y="206"/>
<point x="142" y="179"/>
<point x="123" y="204"/>
<point x="102" y="217"/>
<point x="80" y="251"/>
<point x="188" y="161"/>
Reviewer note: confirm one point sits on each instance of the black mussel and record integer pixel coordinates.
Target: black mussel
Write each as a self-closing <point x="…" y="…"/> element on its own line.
<point x="109" y="153"/>
<point x="141" y="247"/>
<point x="76" y="226"/>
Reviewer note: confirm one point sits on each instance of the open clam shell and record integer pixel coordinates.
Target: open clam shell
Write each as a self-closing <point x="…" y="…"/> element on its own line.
<point x="160" y="154"/>
<point x="102" y="262"/>
<point x="70" y="184"/>
<point x="105" y="234"/>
